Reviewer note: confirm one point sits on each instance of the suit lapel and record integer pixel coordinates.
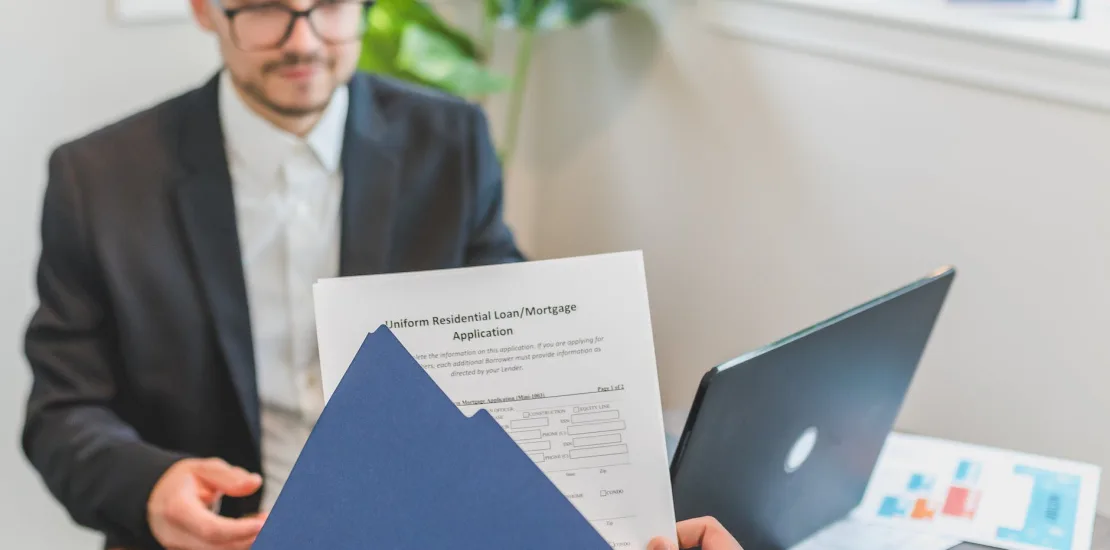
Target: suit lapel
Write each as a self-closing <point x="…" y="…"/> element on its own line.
<point x="370" y="176"/>
<point x="206" y="206"/>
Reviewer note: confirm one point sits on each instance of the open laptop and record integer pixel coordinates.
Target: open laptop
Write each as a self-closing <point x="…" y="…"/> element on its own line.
<point x="781" y="442"/>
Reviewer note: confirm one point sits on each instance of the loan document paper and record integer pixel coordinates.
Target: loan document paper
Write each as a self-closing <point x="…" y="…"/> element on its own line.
<point x="560" y="352"/>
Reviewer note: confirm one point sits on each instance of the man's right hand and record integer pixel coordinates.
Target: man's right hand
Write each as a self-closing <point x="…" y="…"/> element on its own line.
<point x="180" y="508"/>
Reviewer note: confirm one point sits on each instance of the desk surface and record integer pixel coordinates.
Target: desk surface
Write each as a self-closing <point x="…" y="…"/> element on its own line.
<point x="1100" y="541"/>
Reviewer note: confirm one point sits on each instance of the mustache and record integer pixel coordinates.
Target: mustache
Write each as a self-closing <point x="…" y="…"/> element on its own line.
<point x="296" y="59"/>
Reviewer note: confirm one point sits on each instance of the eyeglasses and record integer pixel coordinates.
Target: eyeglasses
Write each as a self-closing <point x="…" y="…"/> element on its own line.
<point x="267" y="26"/>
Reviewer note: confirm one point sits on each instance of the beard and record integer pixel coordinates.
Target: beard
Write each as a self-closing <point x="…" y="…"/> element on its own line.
<point x="290" y="60"/>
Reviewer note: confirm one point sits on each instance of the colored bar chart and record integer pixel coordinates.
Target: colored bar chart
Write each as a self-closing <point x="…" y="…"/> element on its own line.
<point x="961" y="503"/>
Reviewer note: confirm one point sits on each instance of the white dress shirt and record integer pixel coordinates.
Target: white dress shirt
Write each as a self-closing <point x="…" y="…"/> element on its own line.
<point x="287" y="193"/>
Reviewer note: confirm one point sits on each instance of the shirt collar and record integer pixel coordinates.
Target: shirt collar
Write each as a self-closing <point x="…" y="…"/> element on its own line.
<point x="257" y="142"/>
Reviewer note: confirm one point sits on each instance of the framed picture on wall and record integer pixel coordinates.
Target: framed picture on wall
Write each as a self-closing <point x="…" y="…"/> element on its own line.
<point x="1051" y="9"/>
<point x="144" y="11"/>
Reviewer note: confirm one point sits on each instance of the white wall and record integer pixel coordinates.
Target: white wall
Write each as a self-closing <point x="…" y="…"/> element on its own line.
<point x="770" y="189"/>
<point x="63" y="66"/>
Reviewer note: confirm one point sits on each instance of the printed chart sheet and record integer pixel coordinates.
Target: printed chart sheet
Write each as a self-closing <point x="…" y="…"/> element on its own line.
<point x="987" y="496"/>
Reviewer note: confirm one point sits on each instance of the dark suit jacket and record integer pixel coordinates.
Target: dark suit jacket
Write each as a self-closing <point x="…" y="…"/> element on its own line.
<point x="141" y="346"/>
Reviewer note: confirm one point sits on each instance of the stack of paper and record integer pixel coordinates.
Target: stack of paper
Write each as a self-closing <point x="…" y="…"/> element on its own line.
<point x="558" y="354"/>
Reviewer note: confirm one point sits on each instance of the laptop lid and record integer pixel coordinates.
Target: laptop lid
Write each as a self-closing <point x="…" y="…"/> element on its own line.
<point x="781" y="442"/>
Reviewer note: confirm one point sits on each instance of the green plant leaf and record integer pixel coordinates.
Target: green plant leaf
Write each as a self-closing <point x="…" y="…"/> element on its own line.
<point x="548" y="14"/>
<point x="420" y="12"/>
<point x="435" y="59"/>
<point x="382" y="41"/>
<point x="517" y="13"/>
<point x="494" y="8"/>
<point x="407" y="39"/>
<point x="578" y="11"/>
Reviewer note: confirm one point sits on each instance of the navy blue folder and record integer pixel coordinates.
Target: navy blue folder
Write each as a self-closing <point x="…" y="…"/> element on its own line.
<point x="393" y="464"/>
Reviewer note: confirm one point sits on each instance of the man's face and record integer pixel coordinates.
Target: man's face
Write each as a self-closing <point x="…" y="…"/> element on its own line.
<point x="294" y="78"/>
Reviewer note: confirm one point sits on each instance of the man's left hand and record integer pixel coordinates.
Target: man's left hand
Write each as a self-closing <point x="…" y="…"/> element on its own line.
<point x="706" y="532"/>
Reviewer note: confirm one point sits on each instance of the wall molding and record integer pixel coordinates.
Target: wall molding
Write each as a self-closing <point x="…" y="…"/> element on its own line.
<point x="1058" y="61"/>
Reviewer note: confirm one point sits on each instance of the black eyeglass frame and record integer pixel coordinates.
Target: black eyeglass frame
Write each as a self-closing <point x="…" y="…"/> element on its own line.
<point x="294" y="15"/>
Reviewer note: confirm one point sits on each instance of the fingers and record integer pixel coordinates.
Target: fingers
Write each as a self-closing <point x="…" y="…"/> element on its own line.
<point x="705" y="532"/>
<point x="180" y="510"/>
<point x="193" y="543"/>
<point x="179" y="539"/>
<point x="227" y="479"/>
<point x="660" y="543"/>
<point x="188" y="542"/>
<point x="199" y="527"/>
<point x="213" y="528"/>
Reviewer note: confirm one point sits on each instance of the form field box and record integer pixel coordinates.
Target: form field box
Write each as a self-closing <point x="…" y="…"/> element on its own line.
<point x="526" y="435"/>
<point x="595" y="416"/>
<point x="538" y="422"/>
<point x="536" y="457"/>
<point x="580" y="429"/>
<point x="607" y="439"/>
<point x="588" y="452"/>
<point x="599" y="461"/>
<point x="532" y="446"/>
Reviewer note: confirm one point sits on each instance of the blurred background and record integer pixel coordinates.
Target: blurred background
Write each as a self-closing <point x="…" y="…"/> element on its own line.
<point x="776" y="160"/>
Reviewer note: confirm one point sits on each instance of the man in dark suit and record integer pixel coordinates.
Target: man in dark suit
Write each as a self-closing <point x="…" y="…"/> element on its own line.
<point x="173" y="349"/>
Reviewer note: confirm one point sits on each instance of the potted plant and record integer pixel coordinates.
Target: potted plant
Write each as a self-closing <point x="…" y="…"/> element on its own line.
<point x="409" y="39"/>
